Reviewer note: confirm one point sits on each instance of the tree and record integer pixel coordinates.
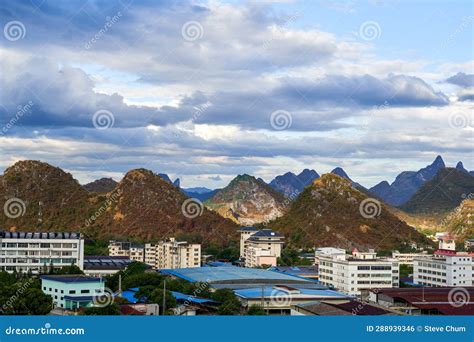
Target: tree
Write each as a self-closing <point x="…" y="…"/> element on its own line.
<point x="157" y="297"/>
<point x="143" y="279"/>
<point x="230" y="304"/>
<point x="72" y="269"/>
<point x="36" y="302"/>
<point x="256" y="310"/>
<point x="109" y="310"/>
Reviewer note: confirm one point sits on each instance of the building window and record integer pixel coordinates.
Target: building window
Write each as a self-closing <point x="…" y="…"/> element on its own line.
<point x="72" y="291"/>
<point x="85" y="291"/>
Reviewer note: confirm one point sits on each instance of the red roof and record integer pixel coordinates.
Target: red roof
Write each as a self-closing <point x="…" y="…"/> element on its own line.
<point x="435" y="298"/>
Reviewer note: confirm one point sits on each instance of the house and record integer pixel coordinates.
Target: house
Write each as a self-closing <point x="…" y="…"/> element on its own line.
<point x="73" y="291"/>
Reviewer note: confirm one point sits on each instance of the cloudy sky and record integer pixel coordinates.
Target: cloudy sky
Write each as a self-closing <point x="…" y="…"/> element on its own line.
<point x="206" y="90"/>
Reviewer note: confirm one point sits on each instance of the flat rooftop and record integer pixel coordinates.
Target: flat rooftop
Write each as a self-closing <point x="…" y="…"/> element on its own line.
<point x="38" y="235"/>
<point x="296" y="293"/>
<point x="73" y="278"/>
<point x="234" y="275"/>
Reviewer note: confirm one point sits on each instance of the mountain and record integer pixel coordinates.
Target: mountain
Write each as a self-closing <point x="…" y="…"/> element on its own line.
<point x="200" y="195"/>
<point x="247" y="200"/>
<point x="407" y="183"/>
<point x="142" y="207"/>
<point x="45" y="197"/>
<point x="442" y="193"/>
<point x="460" y="222"/>
<point x="176" y="182"/>
<point x="460" y="167"/>
<point x="331" y="212"/>
<point x="339" y="171"/>
<point x="291" y="185"/>
<point x="381" y="190"/>
<point x="198" y="190"/>
<point x="101" y="186"/>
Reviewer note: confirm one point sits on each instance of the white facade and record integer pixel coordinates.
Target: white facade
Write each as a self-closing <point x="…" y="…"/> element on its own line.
<point x="326" y="251"/>
<point x="173" y="254"/>
<point x="407" y="258"/>
<point x="260" y="247"/>
<point x="360" y="271"/>
<point x="444" y="270"/>
<point x="34" y="252"/>
<point x="133" y="251"/>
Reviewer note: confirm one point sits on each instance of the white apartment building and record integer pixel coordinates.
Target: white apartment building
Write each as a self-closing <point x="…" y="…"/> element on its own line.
<point x="135" y="252"/>
<point x="360" y="271"/>
<point x="325" y="251"/>
<point x="173" y="254"/>
<point x="36" y="252"/>
<point x="260" y="247"/>
<point x="444" y="269"/>
<point x="407" y="258"/>
<point x="447" y="242"/>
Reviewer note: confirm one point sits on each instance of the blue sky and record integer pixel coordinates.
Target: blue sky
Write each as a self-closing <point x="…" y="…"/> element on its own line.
<point x="206" y="90"/>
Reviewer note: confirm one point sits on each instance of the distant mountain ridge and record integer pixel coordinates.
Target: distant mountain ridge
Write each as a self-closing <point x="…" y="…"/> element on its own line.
<point x="406" y="183"/>
<point x="291" y="185"/>
<point x="101" y="186"/>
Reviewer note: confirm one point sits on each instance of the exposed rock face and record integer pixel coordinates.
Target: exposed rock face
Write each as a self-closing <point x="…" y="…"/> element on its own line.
<point x="248" y="201"/>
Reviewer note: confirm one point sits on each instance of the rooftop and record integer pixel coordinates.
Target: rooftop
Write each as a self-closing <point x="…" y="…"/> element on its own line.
<point x="266" y="233"/>
<point x="38" y="235"/>
<point x="106" y="262"/>
<point x="231" y="276"/>
<point x="73" y="278"/>
<point x="347" y="308"/>
<point x="295" y="293"/>
<point x="248" y="229"/>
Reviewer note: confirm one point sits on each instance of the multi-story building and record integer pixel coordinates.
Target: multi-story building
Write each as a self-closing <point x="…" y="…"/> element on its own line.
<point x="134" y="251"/>
<point x="260" y="247"/>
<point x="354" y="273"/>
<point x="173" y="254"/>
<point x="38" y="252"/>
<point x="325" y="251"/>
<point x="447" y="242"/>
<point x="73" y="291"/>
<point x="407" y="258"/>
<point x="444" y="268"/>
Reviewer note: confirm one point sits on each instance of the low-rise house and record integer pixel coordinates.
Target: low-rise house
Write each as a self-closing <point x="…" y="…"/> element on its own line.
<point x="73" y="291"/>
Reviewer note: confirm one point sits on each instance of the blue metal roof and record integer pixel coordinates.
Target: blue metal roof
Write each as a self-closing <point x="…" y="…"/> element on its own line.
<point x="190" y="298"/>
<point x="271" y="291"/>
<point x="231" y="274"/>
<point x="129" y="294"/>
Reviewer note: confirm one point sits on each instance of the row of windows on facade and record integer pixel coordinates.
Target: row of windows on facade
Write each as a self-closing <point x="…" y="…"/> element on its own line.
<point x="36" y="261"/>
<point x="38" y="245"/>
<point x="37" y="253"/>
<point x="70" y="291"/>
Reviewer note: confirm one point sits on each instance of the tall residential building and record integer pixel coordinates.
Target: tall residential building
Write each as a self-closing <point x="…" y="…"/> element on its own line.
<point x="260" y="247"/>
<point x="36" y="252"/>
<point x="134" y="251"/>
<point x="354" y="273"/>
<point x="444" y="268"/>
<point x="173" y="254"/>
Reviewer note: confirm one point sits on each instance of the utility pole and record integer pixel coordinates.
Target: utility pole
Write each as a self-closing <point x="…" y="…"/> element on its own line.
<point x="164" y="297"/>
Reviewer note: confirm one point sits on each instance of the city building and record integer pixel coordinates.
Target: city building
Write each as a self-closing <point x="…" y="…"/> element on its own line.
<point x="469" y="245"/>
<point x="173" y="254"/>
<point x="407" y="258"/>
<point x="426" y="300"/>
<point x="444" y="268"/>
<point x="234" y="278"/>
<point x="355" y="273"/>
<point x="134" y="251"/>
<point x="260" y="247"/>
<point x="325" y="251"/>
<point x="38" y="252"/>
<point x="72" y="291"/>
<point x="279" y="299"/>
<point x="446" y="241"/>
<point x="101" y="266"/>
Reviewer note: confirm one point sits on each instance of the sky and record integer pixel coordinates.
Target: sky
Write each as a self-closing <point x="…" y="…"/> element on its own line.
<point x="207" y="90"/>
